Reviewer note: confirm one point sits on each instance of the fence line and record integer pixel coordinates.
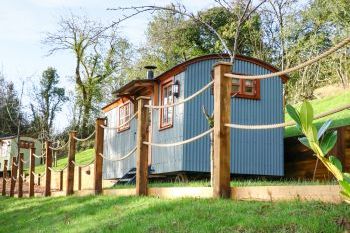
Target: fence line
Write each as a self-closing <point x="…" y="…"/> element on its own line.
<point x="295" y="68"/>
<point x="120" y="159"/>
<point x="289" y="123"/>
<point x="85" y="139"/>
<point x="59" y="148"/>
<point x="58" y="170"/>
<point x="181" y="101"/>
<point x="122" y="125"/>
<point x="83" y="165"/>
<point x="180" y="143"/>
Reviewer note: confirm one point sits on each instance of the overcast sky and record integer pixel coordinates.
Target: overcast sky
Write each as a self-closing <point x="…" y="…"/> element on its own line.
<point x="23" y="24"/>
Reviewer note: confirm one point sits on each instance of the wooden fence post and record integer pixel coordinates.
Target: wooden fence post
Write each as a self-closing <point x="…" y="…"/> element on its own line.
<point x="222" y="140"/>
<point x="71" y="166"/>
<point x="20" y="175"/>
<point x="61" y="181"/>
<point x="13" y="176"/>
<point x="4" y="178"/>
<point x="31" y="171"/>
<point x="47" y="169"/>
<point x="142" y="149"/>
<point x="99" y="137"/>
<point x="79" y="178"/>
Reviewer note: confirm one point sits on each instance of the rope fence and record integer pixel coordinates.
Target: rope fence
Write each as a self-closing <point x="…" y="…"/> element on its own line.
<point x="85" y="139"/>
<point x="289" y="123"/>
<point x="39" y="156"/>
<point x="182" y="101"/>
<point x="83" y="165"/>
<point x="58" y="170"/>
<point x="122" y="125"/>
<point x="59" y="148"/>
<point x="295" y="68"/>
<point x="120" y="159"/>
<point x="39" y="175"/>
<point x="180" y="143"/>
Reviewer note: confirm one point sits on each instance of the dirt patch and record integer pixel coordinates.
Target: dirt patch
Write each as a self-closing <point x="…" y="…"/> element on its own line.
<point x="37" y="189"/>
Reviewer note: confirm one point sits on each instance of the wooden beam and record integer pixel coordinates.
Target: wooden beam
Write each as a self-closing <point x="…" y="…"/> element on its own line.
<point x="142" y="149"/>
<point x="79" y="178"/>
<point x="70" y="168"/>
<point x="61" y="181"/>
<point x="13" y="176"/>
<point x="31" y="171"/>
<point x="20" y="175"/>
<point x="47" y="169"/>
<point x="222" y="116"/>
<point x="4" y="182"/>
<point x="99" y="138"/>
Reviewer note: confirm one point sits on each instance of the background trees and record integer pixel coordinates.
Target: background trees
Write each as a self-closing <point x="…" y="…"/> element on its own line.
<point x="99" y="55"/>
<point x="282" y="32"/>
<point x="48" y="101"/>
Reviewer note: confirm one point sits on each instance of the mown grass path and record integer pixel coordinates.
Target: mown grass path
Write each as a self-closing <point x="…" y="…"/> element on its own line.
<point x="134" y="214"/>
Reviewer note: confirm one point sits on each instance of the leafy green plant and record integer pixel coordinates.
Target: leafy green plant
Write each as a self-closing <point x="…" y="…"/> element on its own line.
<point x="320" y="141"/>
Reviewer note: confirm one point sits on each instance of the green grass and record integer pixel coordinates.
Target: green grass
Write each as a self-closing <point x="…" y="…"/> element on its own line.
<point x="82" y="157"/>
<point x="146" y="214"/>
<point x="323" y="105"/>
<point x="238" y="183"/>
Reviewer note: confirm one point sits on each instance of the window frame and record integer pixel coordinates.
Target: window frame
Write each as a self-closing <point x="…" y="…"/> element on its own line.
<point x="246" y="95"/>
<point x="127" y="126"/>
<point x="166" y="84"/>
<point x="241" y="93"/>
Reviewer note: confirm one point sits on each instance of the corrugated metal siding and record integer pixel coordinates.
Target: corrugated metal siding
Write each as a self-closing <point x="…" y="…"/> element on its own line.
<point x="169" y="159"/>
<point x="117" y="145"/>
<point x="252" y="152"/>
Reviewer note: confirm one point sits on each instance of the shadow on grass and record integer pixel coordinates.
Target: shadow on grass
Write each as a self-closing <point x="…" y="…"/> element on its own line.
<point x="132" y="214"/>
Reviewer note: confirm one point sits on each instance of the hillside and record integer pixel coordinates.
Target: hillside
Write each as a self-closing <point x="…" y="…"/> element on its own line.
<point x="323" y="105"/>
<point x="81" y="157"/>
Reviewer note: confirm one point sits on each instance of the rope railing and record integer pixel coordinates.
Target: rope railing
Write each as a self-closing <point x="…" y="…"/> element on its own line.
<point x="39" y="175"/>
<point x="59" y="148"/>
<point x="83" y="165"/>
<point x="180" y="143"/>
<point x="24" y="161"/>
<point x="58" y="170"/>
<point x="14" y="179"/>
<point x="289" y="123"/>
<point x="85" y="139"/>
<point x="120" y="159"/>
<point x="181" y="101"/>
<point x="295" y="68"/>
<point x="39" y="156"/>
<point x="122" y="125"/>
<point x="7" y="179"/>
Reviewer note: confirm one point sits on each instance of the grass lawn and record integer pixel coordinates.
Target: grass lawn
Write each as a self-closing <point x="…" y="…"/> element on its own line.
<point x="82" y="157"/>
<point x="236" y="183"/>
<point x="146" y="214"/>
<point x="323" y="105"/>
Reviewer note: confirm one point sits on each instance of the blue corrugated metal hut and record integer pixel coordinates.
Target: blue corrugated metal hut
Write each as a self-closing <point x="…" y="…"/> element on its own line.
<point x="257" y="152"/>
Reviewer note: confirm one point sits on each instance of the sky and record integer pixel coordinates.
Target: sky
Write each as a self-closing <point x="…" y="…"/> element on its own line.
<point x="23" y="24"/>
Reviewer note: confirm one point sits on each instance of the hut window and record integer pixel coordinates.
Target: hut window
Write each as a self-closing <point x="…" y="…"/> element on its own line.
<point x="167" y="97"/>
<point x="246" y="88"/>
<point x="124" y="116"/>
<point x="235" y="85"/>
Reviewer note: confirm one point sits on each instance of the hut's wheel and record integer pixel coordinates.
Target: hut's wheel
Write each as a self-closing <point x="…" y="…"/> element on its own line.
<point x="181" y="178"/>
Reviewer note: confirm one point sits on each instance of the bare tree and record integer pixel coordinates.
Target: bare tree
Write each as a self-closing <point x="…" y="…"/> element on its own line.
<point x="243" y="9"/>
<point x="94" y="48"/>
